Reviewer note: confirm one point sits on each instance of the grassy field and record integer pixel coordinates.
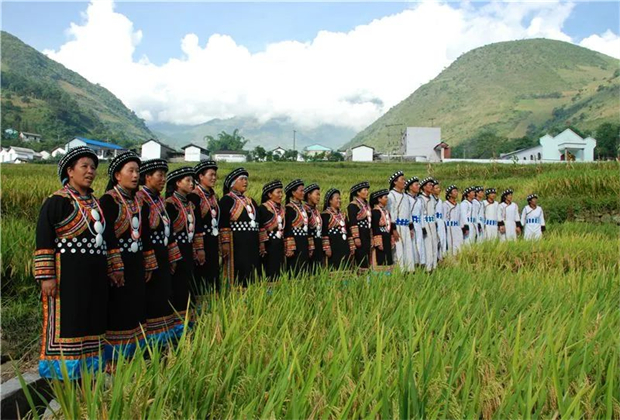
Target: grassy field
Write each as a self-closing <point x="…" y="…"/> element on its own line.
<point x="502" y="331"/>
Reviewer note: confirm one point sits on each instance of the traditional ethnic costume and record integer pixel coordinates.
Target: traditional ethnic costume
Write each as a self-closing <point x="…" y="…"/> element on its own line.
<point x="533" y="220"/>
<point x="71" y="250"/>
<point x="417" y="213"/>
<point x="335" y="235"/>
<point x="441" y="226"/>
<point x="452" y="215"/>
<point x="359" y="219"/>
<point x="478" y="214"/>
<point x="239" y="229"/>
<point x="399" y="207"/>
<point x="160" y="317"/>
<point x="491" y="216"/>
<point x="315" y="229"/>
<point x="188" y="235"/>
<point x="271" y="232"/>
<point x="509" y="218"/>
<point x="382" y="231"/>
<point x="431" y="240"/>
<point x="128" y="230"/>
<point x="296" y="232"/>
<point x="206" y="201"/>
<point x="469" y="219"/>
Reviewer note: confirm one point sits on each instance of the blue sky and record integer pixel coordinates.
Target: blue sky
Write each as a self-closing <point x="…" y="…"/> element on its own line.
<point x="317" y="63"/>
<point x="253" y="25"/>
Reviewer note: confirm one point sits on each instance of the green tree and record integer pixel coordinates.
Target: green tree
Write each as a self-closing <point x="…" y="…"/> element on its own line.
<point x="226" y="141"/>
<point x="260" y="153"/>
<point x="607" y="140"/>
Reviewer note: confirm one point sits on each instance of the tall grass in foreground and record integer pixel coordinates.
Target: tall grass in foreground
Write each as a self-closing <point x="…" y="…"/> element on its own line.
<point x="526" y="330"/>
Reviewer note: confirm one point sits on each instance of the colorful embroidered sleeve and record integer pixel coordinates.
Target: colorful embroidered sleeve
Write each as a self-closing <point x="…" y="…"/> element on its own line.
<point x="324" y="233"/>
<point x="289" y="244"/>
<point x="44" y="264"/>
<point x="198" y="244"/>
<point x="225" y="232"/>
<point x="150" y="261"/>
<point x="263" y="217"/>
<point x="352" y="211"/>
<point x="44" y="260"/>
<point x="115" y="262"/>
<point x="351" y="244"/>
<point x="174" y="253"/>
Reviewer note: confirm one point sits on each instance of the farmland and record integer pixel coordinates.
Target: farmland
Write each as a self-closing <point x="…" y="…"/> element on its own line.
<point x="501" y="331"/>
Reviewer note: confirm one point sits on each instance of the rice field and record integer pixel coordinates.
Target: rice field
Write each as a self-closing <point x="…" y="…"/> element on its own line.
<point x="511" y="330"/>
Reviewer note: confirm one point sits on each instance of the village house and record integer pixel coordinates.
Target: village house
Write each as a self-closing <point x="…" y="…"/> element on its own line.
<point x="194" y="153"/>
<point x="566" y="146"/>
<point x="29" y="137"/>
<point x="155" y="149"/>
<point x="229" y="156"/>
<point x="423" y="144"/>
<point x="103" y="149"/>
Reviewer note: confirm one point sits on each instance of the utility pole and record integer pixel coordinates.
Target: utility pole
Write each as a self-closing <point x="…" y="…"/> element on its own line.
<point x="432" y="121"/>
<point x="294" y="138"/>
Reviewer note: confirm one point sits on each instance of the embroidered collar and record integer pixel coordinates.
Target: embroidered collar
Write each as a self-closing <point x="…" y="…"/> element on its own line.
<point x="122" y="191"/>
<point x="77" y="194"/>
<point x="182" y="198"/>
<point x="151" y="193"/>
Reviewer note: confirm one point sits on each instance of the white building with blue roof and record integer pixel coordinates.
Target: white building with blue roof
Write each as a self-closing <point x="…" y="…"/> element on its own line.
<point x="104" y="150"/>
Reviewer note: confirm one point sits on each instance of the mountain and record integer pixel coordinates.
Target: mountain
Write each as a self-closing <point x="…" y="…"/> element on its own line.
<point x="270" y="134"/>
<point x="41" y="95"/>
<point x="511" y="89"/>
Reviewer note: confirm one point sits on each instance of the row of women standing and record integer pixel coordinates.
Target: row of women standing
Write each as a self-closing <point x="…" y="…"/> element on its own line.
<point x="124" y="268"/>
<point x="430" y="229"/>
<point x="127" y="268"/>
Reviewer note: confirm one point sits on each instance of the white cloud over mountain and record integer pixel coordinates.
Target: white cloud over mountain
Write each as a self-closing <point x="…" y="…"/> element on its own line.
<point x="342" y="78"/>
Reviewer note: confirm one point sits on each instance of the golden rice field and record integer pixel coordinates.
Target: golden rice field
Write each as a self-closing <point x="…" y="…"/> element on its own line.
<point x="511" y="330"/>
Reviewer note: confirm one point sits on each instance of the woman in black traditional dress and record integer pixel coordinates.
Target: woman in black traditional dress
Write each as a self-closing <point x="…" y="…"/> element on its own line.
<point x="271" y="216"/>
<point x="70" y="250"/>
<point x="239" y="223"/>
<point x="359" y="217"/>
<point x="312" y="197"/>
<point x="207" y="275"/>
<point x="382" y="230"/>
<point x="298" y="245"/>
<point x="337" y="242"/>
<point x="160" y="318"/>
<point x="189" y="237"/>
<point x="128" y="230"/>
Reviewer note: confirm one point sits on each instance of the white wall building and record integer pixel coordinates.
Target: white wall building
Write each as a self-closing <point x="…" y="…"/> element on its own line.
<point x="29" y="137"/>
<point x="280" y="151"/>
<point x="423" y="144"/>
<point x="17" y="155"/>
<point x="154" y="149"/>
<point x="229" y="156"/>
<point x="362" y="153"/>
<point x="102" y="149"/>
<point x="59" y="151"/>
<point x="566" y="146"/>
<point x="195" y="153"/>
<point x="45" y="154"/>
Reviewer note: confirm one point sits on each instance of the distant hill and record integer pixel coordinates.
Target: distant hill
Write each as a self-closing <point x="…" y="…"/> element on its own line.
<point x="270" y="134"/>
<point x="40" y="95"/>
<point x="512" y="89"/>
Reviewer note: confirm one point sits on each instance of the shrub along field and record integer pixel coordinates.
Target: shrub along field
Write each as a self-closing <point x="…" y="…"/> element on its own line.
<point x="510" y="330"/>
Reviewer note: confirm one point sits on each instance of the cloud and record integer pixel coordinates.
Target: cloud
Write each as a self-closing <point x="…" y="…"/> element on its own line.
<point x="607" y="43"/>
<point x="342" y="78"/>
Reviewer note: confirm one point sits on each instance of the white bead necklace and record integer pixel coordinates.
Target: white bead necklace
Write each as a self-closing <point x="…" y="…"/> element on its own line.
<point x="97" y="216"/>
<point x="135" y="221"/>
<point x="163" y="214"/>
